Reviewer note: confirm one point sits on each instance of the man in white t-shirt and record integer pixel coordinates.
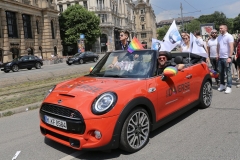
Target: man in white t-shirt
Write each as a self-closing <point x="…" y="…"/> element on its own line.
<point x="212" y="51"/>
<point x="200" y="42"/>
<point x="225" y="51"/>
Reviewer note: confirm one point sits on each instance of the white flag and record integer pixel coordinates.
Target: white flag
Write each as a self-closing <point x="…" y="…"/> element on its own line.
<point x="156" y="44"/>
<point x="197" y="48"/>
<point x="171" y="39"/>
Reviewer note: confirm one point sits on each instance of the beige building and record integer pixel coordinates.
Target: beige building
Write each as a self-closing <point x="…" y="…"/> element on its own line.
<point x="28" y="27"/>
<point x="145" y="21"/>
<point x="115" y="15"/>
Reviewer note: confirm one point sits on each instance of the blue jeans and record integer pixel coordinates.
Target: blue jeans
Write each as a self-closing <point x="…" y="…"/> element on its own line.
<point x="223" y="68"/>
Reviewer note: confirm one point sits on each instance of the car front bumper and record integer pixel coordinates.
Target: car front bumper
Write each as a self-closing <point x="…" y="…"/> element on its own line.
<point x="86" y="140"/>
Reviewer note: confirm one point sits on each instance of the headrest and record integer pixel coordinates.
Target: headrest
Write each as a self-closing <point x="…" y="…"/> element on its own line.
<point x="165" y="53"/>
<point x="178" y="59"/>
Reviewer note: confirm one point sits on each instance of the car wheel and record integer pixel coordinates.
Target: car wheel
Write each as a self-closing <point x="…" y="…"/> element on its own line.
<point x="6" y="71"/>
<point x="80" y="61"/>
<point x="37" y="65"/>
<point x="15" y="68"/>
<point x="206" y="95"/>
<point x="95" y="60"/>
<point x="135" y="131"/>
<point x="29" y="68"/>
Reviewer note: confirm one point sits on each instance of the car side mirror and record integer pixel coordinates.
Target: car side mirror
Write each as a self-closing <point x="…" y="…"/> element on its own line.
<point x="169" y="72"/>
<point x="90" y="70"/>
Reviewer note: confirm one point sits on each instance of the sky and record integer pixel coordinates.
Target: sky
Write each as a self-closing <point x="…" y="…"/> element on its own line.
<point x="168" y="9"/>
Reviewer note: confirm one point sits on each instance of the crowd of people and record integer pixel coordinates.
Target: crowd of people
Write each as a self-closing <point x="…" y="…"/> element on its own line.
<point x="222" y="49"/>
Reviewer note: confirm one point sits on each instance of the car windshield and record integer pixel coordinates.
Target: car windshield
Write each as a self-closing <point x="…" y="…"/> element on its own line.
<point x="76" y="55"/>
<point x="138" y="64"/>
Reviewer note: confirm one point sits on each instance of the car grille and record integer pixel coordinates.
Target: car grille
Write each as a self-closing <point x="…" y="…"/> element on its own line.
<point x="73" y="118"/>
<point x="61" y="111"/>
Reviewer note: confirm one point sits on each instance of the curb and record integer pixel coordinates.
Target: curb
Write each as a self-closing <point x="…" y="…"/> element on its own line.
<point x="25" y="108"/>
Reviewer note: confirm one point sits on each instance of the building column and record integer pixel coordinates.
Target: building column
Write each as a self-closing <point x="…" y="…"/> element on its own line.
<point x="58" y="38"/>
<point x="35" y="36"/>
<point x="22" y="49"/>
<point x="6" y="55"/>
<point x="47" y="45"/>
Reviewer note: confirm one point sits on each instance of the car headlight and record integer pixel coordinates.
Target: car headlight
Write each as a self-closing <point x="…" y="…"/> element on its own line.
<point x="8" y="64"/>
<point x="49" y="91"/>
<point x="104" y="103"/>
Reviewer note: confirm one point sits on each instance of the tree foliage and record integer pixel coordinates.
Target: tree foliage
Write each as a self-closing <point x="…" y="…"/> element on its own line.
<point x="75" y="20"/>
<point x="192" y="26"/>
<point x="161" y="32"/>
<point x="236" y="23"/>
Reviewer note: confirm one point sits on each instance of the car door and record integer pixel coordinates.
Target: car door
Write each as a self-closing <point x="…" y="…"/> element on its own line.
<point x="23" y="62"/>
<point x="172" y="93"/>
<point x="31" y="61"/>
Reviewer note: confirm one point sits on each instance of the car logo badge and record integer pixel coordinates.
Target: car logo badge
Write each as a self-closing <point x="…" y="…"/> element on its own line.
<point x="59" y="101"/>
<point x="72" y="115"/>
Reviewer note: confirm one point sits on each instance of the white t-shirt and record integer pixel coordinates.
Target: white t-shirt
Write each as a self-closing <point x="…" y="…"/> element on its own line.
<point x="224" y="47"/>
<point x="185" y="48"/>
<point x="212" y="44"/>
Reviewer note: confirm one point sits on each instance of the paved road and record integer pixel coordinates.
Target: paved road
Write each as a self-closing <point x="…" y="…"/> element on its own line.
<point x="213" y="133"/>
<point x="47" y="71"/>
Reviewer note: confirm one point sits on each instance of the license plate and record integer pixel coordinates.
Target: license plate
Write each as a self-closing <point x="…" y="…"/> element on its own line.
<point x="55" y="122"/>
<point x="70" y="61"/>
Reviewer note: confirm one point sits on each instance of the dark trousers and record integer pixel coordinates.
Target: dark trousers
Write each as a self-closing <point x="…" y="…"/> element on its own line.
<point x="214" y="63"/>
<point x="223" y="68"/>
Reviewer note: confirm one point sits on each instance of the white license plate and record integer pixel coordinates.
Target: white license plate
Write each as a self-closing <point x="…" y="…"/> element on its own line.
<point x="70" y="61"/>
<point x="55" y="122"/>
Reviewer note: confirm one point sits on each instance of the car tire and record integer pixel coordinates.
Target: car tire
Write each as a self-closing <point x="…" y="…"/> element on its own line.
<point x="81" y="61"/>
<point x="15" y="68"/>
<point x="134" y="131"/>
<point x="6" y="71"/>
<point x="29" y="68"/>
<point x="205" y="95"/>
<point x="69" y="64"/>
<point x="94" y="59"/>
<point x="37" y="65"/>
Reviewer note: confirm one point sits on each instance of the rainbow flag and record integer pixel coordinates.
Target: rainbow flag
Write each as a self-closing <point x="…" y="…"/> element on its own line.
<point x="134" y="45"/>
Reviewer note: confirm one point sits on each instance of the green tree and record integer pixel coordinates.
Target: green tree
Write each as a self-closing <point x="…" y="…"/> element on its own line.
<point x="192" y="26"/>
<point x="236" y="23"/>
<point x="75" y="20"/>
<point x="161" y="32"/>
<point x="217" y="18"/>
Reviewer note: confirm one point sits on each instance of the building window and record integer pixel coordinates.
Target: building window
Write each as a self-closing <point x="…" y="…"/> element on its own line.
<point x="143" y="35"/>
<point x="103" y="18"/>
<point x="27" y="26"/>
<point x="37" y="25"/>
<point x="142" y="11"/>
<point x="52" y="29"/>
<point x="100" y="3"/>
<point x="142" y="19"/>
<point x="85" y="4"/>
<point x="60" y="8"/>
<point x="68" y="5"/>
<point x="11" y="24"/>
<point x="143" y="27"/>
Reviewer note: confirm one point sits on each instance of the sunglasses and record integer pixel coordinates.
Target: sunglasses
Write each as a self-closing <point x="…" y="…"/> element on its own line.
<point x="214" y="32"/>
<point x="162" y="58"/>
<point x="185" y="38"/>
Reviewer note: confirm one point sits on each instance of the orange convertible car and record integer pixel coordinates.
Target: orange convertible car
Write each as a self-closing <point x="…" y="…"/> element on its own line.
<point x="118" y="105"/>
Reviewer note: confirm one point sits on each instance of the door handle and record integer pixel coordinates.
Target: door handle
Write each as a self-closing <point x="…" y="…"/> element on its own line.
<point x="189" y="76"/>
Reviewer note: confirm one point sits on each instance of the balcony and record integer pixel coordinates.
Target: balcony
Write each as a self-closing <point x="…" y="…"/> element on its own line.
<point x="106" y="24"/>
<point x="102" y="9"/>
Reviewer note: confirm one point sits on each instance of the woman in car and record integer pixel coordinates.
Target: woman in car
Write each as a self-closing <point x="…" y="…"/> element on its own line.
<point x="185" y="46"/>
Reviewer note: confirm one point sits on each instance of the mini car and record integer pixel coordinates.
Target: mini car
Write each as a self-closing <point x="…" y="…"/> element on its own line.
<point x="23" y="62"/>
<point x="117" y="106"/>
<point x="80" y="58"/>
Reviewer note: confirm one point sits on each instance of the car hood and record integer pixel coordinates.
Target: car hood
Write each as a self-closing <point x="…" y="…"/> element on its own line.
<point x="81" y="92"/>
<point x="91" y="85"/>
